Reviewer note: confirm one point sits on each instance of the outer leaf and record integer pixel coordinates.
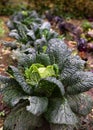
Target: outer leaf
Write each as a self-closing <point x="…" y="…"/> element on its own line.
<point x="71" y="66"/>
<point x="59" y="112"/>
<point x="20" y="79"/>
<point x="12" y="95"/>
<point x="24" y="60"/>
<point x="38" y="105"/>
<point x="5" y="79"/>
<point x="10" y="24"/>
<point x="49" y="85"/>
<point x="58" y="52"/>
<point x="20" y="119"/>
<point x="6" y="82"/>
<point x="84" y="82"/>
<point x="81" y="104"/>
<point x="13" y="44"/>
<point x="14" y="34"/>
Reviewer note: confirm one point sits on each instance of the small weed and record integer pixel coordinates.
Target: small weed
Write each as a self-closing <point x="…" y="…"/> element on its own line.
<point x="2" y="31"/>
<point x="2" y="113"/>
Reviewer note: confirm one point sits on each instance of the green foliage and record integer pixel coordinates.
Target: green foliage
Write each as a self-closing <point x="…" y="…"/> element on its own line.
<point x="20" y="118"/>
<point x="50" y="87"/>
<point x="76" y="101"/>
<point x="47" y="83"/>
<point x="37" y="109"/>
<point x="59" y="112"/>
<point x="28" y="28"/>
<point x="38" y="71"/>
<point x="53" y="91"/>
<point x="2" y="113"/>
<point x="20" y="79"/>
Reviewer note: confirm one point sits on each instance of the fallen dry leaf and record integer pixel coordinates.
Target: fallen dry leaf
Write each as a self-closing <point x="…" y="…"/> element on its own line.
<point x="1" y="128"/>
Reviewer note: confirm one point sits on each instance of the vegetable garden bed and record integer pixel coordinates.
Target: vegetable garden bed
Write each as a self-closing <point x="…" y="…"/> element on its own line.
<point x="41" y="71"/>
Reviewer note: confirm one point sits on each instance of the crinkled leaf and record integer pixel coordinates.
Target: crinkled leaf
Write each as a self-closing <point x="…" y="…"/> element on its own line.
<point x="84" y="82"/>
<point x="5" y="79"/>
<point x="81" y="104"/>
<point x="71" y="66"/>
<point x="20" y="119"/>
<point x="38" y="105"/>
<point x="13" y="94"/>
<point x="20" y="79"/>
<point x="26" y="60"/>
<point x="58" y="52"/>
<point x="50" y="85"/>
<point x="59" y="112"/>
<point x="5" y="82"/>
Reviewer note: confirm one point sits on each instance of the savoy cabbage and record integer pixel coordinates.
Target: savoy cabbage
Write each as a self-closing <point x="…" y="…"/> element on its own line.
<point x="46" y="88"/>
<point x="49" y="89"/>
